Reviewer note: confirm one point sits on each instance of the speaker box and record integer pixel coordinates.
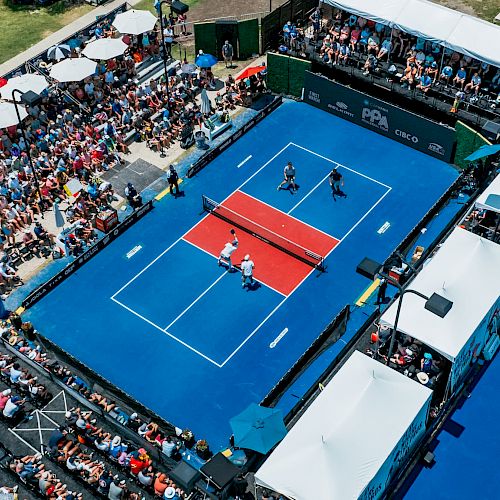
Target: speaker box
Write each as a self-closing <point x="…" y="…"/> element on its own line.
<point x="491" y="130"/>
<point x="179" y="7"/>
<point x="226" y="30"/>
<point x="368" y="268"/>
<point x="185" y="476"/>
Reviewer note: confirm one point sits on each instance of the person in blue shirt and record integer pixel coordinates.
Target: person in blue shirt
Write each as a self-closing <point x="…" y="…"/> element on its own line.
<point x="425" y="83"/>
<point x="474" y="84"/>
<point x="287" y="28"/>
<point x="363" y="39"/>
<point x="446" y="74"/>
<point x="460" y="78"/>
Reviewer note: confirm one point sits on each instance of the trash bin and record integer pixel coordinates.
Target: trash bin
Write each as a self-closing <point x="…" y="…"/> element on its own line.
<point x="201" y="140"/>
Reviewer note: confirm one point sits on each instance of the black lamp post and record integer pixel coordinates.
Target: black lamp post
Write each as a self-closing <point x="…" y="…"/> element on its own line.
<point x="436" y="304"/>
<point x="164" y="52"/>
<point x="29" y="98"/>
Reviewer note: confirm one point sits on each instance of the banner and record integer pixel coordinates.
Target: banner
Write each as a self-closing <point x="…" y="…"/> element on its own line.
<point x="49" y="285"/>
<point x="393" y="122"/>
<point x="215" y="152"/>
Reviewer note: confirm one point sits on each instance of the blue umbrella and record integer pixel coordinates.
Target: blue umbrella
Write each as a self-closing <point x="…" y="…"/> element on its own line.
<point x="205" y="61"/>
<point x="258" y="428"/>
<point x="486" y="150"/>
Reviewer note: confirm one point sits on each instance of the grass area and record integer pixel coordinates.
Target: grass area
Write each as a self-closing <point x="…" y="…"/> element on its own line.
<point x="485" y="9"/>
<point x="23" y="26"/>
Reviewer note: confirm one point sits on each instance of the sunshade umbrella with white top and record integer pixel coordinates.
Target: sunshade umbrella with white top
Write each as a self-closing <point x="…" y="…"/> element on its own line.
<point x="73" y="70"/>
<point x="135" y="22"/>
<point x="8" y="115"/>
<point x="24" y="83"/>
<point x="105" y="48"/>
<point x="58" y="52"/>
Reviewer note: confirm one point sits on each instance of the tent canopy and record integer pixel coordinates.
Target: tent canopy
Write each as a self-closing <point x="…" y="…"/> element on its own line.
<point x="346" y="435"/>
<point x="461" y="32"/>
<point x="465" y="270"/>
<point x="489" y="199"/>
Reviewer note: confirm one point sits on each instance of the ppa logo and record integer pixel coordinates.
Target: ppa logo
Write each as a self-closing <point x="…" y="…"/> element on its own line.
<point x="376" y="118"/>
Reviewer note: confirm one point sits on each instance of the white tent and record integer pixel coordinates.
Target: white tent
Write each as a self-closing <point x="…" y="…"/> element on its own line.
<point x="352" y="437"/>
<point x="461" y="32"/>
<point x="465" y="270"/>
<point x="489" y="199"/>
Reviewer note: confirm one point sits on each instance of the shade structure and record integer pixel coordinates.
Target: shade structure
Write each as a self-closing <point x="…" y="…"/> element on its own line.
<point x="483" y="151"/>
<point x="105" y="48"/>
<point x="73" y="70"/>
<point x="8" y="116"/>
<point x="188" y="68"/>
<point x="58" y="52"/>
<point x="247" y="73"/>
<point x="24" y="83"/>
<point x="74" y="43"/>
<point x="206" y="61"/>
<point x="258" y="428"/>
<point x="135" y="22"/>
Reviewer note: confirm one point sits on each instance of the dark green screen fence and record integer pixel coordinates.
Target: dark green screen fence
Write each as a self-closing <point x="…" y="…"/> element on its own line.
<point x="468" y="140"/>
<point x="205" y="38"/>
<point x="249" y="38"/>
<point x="285" y="74"/>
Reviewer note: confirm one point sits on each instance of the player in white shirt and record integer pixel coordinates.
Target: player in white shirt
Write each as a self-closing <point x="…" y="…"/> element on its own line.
<point x="247" y="267"/>
<point x="228" y="250"/>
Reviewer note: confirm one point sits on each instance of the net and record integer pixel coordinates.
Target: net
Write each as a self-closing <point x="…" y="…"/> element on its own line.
<point x="263" y="233"/>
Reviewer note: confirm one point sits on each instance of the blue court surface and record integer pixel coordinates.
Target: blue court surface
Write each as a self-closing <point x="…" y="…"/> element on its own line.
<point x="177" y="332"/>
<point x="467" y="449"/>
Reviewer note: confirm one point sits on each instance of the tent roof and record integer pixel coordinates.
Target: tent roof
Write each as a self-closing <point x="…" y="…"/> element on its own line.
<point x="493" y="189"/>
<point x="461" y="32"/>
<point x="345" y="436"/>
<point x="465" y="270"/>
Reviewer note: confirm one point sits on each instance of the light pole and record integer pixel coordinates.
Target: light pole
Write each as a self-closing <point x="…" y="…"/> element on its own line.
<point x="164" y="53"/>
<point x="29" y="98"/>
<point x="436" y="303"/>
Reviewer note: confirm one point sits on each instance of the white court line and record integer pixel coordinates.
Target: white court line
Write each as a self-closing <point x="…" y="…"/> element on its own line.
<point x="196" y="300"/>
<point x="291" y="216"/>
<point x="309" y="193"/>
<point x="305" y="277"/>
<point x="340" y="165"/>
<point x="167" y="333"/>
<point x="211" y="255"/>
<point x="244" y="161"/>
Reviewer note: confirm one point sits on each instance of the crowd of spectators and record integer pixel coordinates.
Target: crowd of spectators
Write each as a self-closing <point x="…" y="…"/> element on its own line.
<point x="344" y="36"/>
<point x="80" y="438"/>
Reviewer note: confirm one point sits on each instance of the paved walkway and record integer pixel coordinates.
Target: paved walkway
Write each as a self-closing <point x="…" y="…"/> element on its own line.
<point x="63" y="33"/>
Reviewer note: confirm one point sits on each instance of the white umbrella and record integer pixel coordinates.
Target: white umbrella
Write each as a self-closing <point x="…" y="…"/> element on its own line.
<point x="73" y="70"/>
<point x="135" y="22"/>
<point x="8" y="116"/>
<point x="105" y="48"/>
<point x="24" y="83"/>
<point x="59" y="52"/>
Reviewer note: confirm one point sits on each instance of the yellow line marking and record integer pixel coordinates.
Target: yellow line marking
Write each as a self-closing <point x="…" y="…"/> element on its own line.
<point x="366" y="294"/>
<point x="20" y="310"/>
<point x="166" y="191"/>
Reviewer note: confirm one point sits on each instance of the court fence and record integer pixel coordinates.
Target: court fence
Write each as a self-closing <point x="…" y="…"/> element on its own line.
<point x="71" y="268"/>
<point x="468" y="141"/>
<point x="285" y="74"/>
<point x="211" y="154"/>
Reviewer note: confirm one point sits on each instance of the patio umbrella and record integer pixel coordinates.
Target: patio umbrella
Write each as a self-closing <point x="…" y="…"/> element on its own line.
<point x="205" y="61"/>
<point x="58" y="52"/>
<point x="73" y="70"/>
<point x="105" y="48"/>
<point x="3" y="81"/>
<point x="247" y="73"/>
<point x="74" y="43"/>
<point x="24" y="83"/>
<point x="258" y="428"/>
<point x="59" y="218"/>
<point x="486" y="150"/>
<point x="135" y="22"/>
<point x="8" y="116"/>
<point x="188" y="68"/>
<point x="205" y="102"/>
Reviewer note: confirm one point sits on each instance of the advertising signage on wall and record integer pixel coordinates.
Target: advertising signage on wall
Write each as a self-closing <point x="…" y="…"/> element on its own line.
<point x="393" y="122"/>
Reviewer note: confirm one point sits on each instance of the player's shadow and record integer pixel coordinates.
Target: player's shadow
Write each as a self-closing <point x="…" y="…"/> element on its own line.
<point x="253" y="287"/>
<point x="179" y="194"/>
<point x="290" y="189"/>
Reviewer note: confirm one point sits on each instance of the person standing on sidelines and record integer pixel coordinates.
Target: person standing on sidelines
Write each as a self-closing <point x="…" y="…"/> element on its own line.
<point x="336" y="179"/>
<point x="247" y="267"/>
<point x="229" y="248"/>
<point x="289" y="177"/>
<point x="173" y="180"/>
<point x="227" y="54"/>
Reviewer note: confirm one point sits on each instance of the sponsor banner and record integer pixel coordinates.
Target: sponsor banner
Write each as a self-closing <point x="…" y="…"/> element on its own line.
<point x="393" y="122"/>
<point x="49" y="285"/>
<point x="215" y="152"/>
